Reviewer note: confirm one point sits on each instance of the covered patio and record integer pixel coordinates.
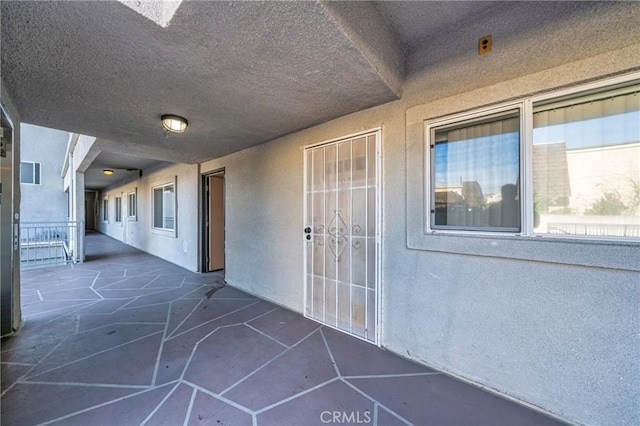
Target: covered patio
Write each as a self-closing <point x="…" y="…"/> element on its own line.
<point x="127" y="338"/>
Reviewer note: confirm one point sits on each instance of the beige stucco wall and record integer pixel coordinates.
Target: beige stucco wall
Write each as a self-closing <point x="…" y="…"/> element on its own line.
<point x="583" y="171"/>
<point x="539" y="331"/>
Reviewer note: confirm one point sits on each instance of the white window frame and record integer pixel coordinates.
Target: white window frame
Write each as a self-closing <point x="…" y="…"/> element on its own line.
<point x="430" y="127"/>
<point x="134" y="194"/>
<point x="558" y="96"/>
<point x="600" y="253"/>
<point x="117" y="206"/>
<point x="165" y="231"/>
<point x="525" y="107"/>
<point x="34" y="165"/>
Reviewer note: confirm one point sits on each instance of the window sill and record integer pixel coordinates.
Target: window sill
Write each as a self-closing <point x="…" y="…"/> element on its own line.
<point x="165" y="232"/>
<point x="593" y="253"/>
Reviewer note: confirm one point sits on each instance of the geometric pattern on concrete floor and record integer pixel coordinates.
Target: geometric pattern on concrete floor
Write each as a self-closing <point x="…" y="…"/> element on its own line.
<point x="129" y="339"/>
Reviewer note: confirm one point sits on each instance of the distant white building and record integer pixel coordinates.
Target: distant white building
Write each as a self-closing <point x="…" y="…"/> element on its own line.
<point x="42" y="153"/>
<point x="46" y="235"/>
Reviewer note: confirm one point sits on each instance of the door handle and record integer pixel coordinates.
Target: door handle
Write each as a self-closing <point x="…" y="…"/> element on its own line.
<point x="307" y="230"/>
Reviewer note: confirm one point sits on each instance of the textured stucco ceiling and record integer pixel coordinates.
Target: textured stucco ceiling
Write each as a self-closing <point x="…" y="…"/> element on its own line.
<point x="417" y="21"/>
<point x="244" y="73"/>
<point x="125" y="167"/>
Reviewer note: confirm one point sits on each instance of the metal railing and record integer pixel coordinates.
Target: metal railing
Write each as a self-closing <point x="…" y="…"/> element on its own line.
<point x="48" y="243"/>
<point x="594" y="229"/>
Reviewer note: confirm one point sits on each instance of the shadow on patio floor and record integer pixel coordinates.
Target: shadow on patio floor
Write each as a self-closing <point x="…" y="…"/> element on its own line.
<point x="128" y="339"/>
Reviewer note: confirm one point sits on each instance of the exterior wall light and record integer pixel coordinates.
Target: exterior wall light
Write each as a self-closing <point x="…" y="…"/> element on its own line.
<point x="174" y="123"/>
<point x="107" y="172"/>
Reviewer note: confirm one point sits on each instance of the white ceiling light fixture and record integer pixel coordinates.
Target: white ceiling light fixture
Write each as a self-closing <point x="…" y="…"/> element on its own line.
<point x="107" y="172"/>
<point x="174" y="123"/>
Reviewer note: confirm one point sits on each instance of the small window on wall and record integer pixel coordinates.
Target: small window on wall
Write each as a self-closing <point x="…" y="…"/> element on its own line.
<point x="118" y="208"/>
<point x="164" y="207"/>
<point x="586" y="164"/>
<point x="105" y="210"/>
<point x="475" y="169"/>
<point x="30" y="173"/>
<point x="132" y="205"/>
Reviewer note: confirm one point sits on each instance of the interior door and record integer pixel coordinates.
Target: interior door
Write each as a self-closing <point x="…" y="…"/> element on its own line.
<point x="216" y="222"/>
<point x="342" y="226"/>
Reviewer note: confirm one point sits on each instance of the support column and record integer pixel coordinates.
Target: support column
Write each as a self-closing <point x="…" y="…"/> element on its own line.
<point x="77" y="213"/>
<point x="10" y="311"/>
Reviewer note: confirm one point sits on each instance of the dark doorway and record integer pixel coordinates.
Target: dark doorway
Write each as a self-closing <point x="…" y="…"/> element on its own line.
<point x="90" y="210"/>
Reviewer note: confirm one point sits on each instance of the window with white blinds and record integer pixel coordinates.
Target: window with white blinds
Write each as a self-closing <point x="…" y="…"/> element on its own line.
<point x="567" y="166"/>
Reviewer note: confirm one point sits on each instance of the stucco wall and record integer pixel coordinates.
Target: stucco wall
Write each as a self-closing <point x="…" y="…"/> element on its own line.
<point x="84" y="152"/>
<point x="46" y="202"/>
<point x="181" y="249"/>
<point x="555" y="334"/>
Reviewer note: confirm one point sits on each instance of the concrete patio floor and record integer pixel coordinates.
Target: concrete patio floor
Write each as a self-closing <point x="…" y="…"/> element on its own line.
<point x="129" y="339"/>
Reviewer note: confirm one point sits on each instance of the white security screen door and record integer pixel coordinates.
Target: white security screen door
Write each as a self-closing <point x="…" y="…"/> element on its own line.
<point x="342" y="228"/>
